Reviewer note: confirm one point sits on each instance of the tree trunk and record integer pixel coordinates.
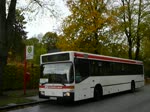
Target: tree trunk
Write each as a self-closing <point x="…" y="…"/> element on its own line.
<point x="96" y="38"/>
<point x="10" y="23"/>
<point x="130" y="48"/>
<point x="127" y="27"/>
<point x="6" y="30"/>
<point x="138" y="31"/>
<point x="137" y="49"/>
<point x="2" y="39"/>
<point x="3" y="61"/>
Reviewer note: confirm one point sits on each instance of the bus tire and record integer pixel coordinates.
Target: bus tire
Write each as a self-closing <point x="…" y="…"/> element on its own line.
<point x="97" y="93"/>
<point x="40" y="96"/>
<point x="132" y="87"/>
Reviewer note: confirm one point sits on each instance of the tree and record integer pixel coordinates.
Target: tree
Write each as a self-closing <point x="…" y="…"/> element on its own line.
<point x="130" y="15"/>
<point x="49" y="40"/>
<point x="18" y="45"/>
<point x="85" y="28"/>
<point x="6" y="33"/>
<point x="146" y="42"/>
<point x="7" y="21"/>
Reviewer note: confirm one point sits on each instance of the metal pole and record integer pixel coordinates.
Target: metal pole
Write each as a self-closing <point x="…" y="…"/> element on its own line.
<point x="25" y="70"/>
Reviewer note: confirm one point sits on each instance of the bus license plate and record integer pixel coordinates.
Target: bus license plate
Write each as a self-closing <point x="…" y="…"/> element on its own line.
<point x="53" y="98"/>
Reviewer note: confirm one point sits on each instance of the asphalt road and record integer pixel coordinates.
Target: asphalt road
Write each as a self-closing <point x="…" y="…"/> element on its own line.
<point x="122" y="102"/>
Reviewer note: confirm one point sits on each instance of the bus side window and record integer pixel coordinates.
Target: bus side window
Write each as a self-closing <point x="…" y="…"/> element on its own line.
<point x="71" y="75"/>
<point x="93" y="66"/>
<point x="77" y="76"/>
<point x="96" y="68"/>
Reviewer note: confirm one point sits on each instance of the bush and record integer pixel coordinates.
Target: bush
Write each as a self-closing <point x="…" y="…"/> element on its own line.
<point x="147" y="69"/>
<point x="13" y="77"/>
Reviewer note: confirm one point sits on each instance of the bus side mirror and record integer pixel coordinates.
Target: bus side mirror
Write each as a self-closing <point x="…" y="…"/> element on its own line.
<point x="76" y="61"/>
<point x="41" y="71"/>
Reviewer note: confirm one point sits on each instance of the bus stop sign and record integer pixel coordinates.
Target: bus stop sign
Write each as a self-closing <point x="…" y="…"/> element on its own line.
<point x="29" y="52"/>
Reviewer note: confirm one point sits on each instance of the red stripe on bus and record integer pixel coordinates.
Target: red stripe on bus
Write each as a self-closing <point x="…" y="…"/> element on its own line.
<point x="68" y="87"/>
<point x="103" y="58"/>
<point x="78" y="55"/>
<point x="41" y="86"/>
<point x="57" y="87"/>
<point x="111" y="59"/>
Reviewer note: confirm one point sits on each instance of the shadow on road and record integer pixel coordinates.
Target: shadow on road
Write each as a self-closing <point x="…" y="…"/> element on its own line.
<point x="88" y="101"/>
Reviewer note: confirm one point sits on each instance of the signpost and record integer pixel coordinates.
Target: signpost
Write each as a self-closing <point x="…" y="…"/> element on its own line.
<point x="28" y="54"/>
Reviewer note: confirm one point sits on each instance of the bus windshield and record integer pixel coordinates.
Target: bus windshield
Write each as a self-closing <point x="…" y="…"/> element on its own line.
<point x="58" y="73"/>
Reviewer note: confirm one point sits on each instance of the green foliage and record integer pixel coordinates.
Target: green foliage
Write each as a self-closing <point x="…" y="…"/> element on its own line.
<point x="16" y="52"/>
<point x="130" y="24"/>
<point x="49" y="40"/>
<point x="14" y="77"/>
<point x="147" y="70"/>
<point x="146" y="56"/>
<point x="34" y="71"/>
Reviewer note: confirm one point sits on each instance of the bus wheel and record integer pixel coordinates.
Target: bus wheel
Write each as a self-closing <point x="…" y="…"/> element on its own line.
<point x="132" y="87"/>
<point x="97" y="93"/>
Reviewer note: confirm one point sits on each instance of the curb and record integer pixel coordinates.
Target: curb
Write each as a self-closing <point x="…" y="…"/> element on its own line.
<point x="22" y="105"/>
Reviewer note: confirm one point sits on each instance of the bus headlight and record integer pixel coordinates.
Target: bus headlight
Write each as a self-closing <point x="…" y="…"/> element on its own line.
<point x="67" y="94"/>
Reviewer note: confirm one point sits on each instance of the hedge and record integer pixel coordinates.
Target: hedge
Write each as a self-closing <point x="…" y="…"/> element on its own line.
<point x="147" y="69"/>
<point x="13" y="77"/>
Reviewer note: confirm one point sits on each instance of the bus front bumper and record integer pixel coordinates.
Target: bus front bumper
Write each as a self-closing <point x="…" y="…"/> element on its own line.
<point x="67" y="96"/>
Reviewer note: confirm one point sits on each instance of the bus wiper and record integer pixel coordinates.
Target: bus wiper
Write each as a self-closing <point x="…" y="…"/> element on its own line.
<point x="63" y="83"/>
<point x="44" y="83"/>
<point x="63" y="80"/>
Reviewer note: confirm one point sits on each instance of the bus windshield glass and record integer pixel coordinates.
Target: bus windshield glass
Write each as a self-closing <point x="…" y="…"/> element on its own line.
<point x="58" y="73"/>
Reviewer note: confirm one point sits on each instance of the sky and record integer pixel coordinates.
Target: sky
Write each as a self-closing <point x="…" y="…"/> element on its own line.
<point x="43" y="21"/>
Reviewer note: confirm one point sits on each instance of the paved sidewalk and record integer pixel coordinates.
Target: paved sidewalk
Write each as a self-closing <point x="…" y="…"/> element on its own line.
<point x="35" y="98"/>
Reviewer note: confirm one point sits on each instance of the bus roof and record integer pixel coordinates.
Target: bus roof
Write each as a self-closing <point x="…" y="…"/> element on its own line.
<point x="91" y="56"/>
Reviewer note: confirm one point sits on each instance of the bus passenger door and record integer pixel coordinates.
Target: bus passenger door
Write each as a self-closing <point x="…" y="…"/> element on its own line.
<point x="83" y="90"/>
<point x="82" y="82"/>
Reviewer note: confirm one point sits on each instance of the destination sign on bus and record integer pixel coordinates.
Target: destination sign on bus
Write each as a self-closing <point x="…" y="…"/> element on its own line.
<point x="55" y="57"/>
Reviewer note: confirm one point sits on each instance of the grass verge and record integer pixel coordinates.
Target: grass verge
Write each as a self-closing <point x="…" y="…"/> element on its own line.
<point x="147" y="81"/>
<point x="16" y="97"/>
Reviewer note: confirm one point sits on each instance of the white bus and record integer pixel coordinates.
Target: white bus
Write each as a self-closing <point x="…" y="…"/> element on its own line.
<point x="77" y="76"/>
